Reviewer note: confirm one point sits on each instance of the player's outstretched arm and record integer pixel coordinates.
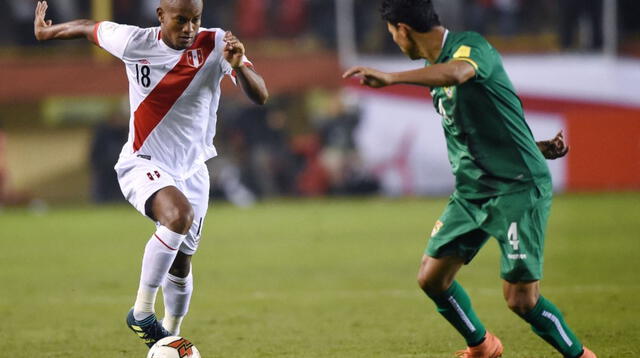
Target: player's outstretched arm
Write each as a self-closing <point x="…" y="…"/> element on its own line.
<point x="251" y="82"/>
<point x="369" y="77"/>
<point x="44" y="29"/>
<point x="554" y="148"/>
<point x="445" y="74"/>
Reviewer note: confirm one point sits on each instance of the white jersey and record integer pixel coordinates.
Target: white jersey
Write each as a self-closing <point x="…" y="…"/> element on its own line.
<point x="173" y="94"/>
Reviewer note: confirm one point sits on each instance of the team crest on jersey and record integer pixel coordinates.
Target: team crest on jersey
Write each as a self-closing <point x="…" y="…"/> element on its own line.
<point x="436" y="228"/>
<point x="448" y="91"/>
<point x="195" y="58"/>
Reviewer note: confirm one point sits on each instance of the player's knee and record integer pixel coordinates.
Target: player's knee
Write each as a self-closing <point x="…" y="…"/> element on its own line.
<point x="521" y="297"/>
<point x="178" y="218"/>
<point x="521" y="304"/>
<point x="430" y="285"/>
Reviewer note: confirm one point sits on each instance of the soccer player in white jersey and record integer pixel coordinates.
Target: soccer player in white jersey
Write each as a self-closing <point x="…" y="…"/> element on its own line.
<point x="174" y="73"/>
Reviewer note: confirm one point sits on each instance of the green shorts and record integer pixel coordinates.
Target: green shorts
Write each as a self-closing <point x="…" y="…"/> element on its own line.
<point x="518" y="221"/>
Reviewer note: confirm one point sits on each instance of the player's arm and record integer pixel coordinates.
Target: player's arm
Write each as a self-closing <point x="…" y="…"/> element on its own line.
<point x="443" y="74"/>
<point x="251" y="82"/>
<point x="44" y="29"/>
<point x="554" y="148"/>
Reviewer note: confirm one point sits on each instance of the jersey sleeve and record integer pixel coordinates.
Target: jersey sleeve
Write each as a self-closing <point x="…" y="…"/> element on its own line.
<point x="476" y="51"/>
<point x="113" y="37"/>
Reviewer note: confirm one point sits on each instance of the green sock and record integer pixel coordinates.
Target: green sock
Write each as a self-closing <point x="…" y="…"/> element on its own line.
<point x="454" y="304"/>
<point x="547" y="322"/>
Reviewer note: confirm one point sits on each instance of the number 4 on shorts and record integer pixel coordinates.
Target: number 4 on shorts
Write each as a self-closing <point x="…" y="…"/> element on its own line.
<point x="512" y="236"/>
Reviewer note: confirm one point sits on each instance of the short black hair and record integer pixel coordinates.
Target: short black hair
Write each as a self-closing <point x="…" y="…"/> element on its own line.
<point x="419" y="14"/>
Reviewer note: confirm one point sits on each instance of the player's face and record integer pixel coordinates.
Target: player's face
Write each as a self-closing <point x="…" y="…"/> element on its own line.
<point x="179" y="22"/>
<point x="403" y="39"/>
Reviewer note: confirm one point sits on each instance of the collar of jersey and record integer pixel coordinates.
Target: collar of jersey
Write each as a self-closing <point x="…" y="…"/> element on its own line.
<point x="444" y="43"/>
<point x="444" y="38"/>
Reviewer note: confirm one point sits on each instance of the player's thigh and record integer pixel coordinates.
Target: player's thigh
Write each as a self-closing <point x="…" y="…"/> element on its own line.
<point x="519" y="221"/>
<point x="456" y="232"/>
<point x="139" y="180"/>
<point x="196" y="189"/>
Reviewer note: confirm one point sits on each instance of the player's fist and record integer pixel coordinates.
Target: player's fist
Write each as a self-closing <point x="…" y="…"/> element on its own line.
<point x="233" y="50"/>
<point x="39" y="23"/>
<point x="554" y="148"/>
<point x="369" y="77"/>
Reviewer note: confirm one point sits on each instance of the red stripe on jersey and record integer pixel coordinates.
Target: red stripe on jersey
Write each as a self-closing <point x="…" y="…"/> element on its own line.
<point x="163" y="243"/>
<point x="165" y="94"/>
<point x="95" y="33"/>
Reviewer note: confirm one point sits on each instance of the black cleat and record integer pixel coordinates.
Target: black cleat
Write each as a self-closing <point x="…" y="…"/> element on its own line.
<point x="149" y="329"/>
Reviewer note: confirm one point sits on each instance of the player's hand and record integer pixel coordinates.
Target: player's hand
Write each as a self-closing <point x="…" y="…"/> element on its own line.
<point x="233" y="50"/>
<point x="39" y="23"/>
<point x="554" y="148"/>
<point x="369" y="77"/>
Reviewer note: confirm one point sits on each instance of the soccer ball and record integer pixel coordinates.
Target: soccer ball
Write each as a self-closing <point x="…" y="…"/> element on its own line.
<point x="173" y="347"/>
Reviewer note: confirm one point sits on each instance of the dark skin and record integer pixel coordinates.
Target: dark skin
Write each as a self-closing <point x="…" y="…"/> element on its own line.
<point x="179" y="24"/>
<point x="437" y="274"/>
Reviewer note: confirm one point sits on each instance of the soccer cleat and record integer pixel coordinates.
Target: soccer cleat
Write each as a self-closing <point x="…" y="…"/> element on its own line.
<point x="490" y="348"/>
<point x="149" y="329"/>
<point x="587" y="353"/>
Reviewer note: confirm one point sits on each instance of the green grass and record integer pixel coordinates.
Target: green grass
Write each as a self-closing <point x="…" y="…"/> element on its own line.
<point x="308" y="279"/>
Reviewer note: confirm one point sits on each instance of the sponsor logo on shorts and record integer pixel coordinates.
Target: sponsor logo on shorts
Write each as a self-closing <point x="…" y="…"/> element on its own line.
<point x="439" y="224"/>
<point x="143" y="156"/>
<point x="517" y="256"/>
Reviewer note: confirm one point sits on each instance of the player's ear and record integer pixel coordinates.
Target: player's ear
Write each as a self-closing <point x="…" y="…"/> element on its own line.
<point x="160" y="14"/>
<point x="404" y="29"/>
<point x="393" y="30"/>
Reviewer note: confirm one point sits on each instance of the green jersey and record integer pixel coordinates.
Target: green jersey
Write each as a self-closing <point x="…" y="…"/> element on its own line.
<point x="491" y="148"/>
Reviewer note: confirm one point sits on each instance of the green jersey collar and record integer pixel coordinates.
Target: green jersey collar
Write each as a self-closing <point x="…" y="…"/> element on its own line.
<point x="444" y="42"/>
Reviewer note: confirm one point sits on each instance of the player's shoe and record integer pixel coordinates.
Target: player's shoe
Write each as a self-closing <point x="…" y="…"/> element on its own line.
<point x="150" y="330"/>
<point x="587" y="353"/>
<point x="490" y="348"/>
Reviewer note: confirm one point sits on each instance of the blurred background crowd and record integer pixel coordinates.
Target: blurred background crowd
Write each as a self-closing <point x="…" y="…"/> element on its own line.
<point x="558" y="24"/>
<point x="60" y="143"/>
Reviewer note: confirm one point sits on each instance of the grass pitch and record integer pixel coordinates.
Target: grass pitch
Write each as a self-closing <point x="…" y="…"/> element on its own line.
<point x="308" y="279"/>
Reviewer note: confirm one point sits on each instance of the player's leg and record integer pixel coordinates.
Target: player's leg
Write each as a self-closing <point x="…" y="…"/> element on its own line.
<point x="546" y="320"/>
<point x="173" y="212"/>
<point x="522" y="218"/>
<point x="437" y="279"/>
<point x="177" y="288"/>
<point x="154" y="194"/>
<point x="455" y="240"/>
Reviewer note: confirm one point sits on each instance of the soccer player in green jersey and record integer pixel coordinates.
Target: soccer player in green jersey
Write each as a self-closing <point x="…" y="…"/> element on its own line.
<point x="503" y="186"/>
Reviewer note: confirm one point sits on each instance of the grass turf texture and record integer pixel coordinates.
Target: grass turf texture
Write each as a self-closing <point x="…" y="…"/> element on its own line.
<point x="308" y="279"/>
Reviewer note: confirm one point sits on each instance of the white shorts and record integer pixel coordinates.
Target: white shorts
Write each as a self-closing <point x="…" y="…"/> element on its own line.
<point x="140" y="178"/>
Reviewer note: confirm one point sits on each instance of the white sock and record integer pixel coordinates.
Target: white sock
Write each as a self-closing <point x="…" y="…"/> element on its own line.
<point x="177" y="295"/>
<point x="158" y="256"/>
